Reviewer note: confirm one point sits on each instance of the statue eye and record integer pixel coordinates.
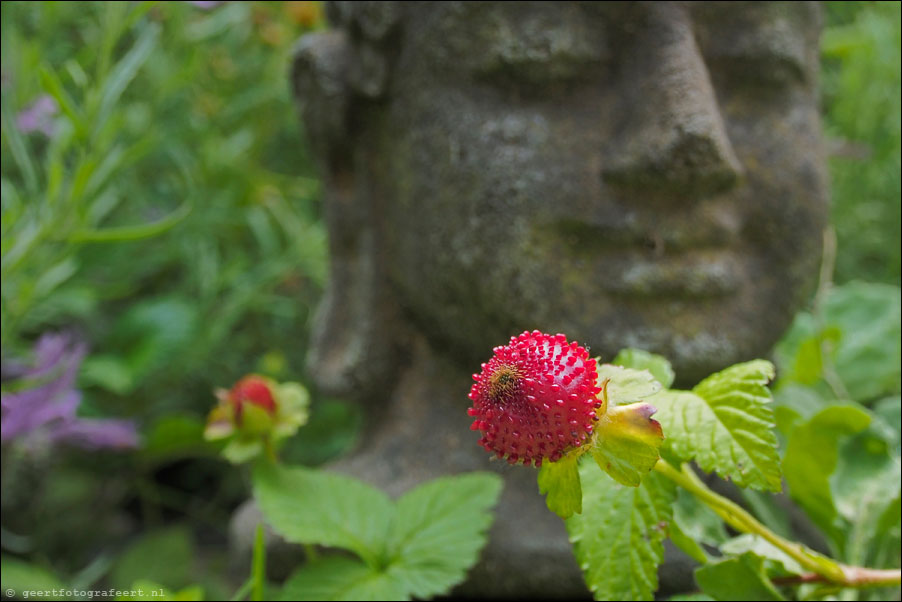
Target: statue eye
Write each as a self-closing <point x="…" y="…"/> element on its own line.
<point x="546" y="50"/>
<point x="768" y="77"/>
<point x="758" y="52"/>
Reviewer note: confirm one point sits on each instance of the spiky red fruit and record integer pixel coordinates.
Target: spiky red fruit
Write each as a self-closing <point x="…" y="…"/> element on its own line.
<point x="535" y="399"/>
<point x="252" y="389"/>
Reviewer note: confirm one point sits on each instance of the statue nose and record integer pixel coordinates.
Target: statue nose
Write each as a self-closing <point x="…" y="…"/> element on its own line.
<point x="671" y="135"/>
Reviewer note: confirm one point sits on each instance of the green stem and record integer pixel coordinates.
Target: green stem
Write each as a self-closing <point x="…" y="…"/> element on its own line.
<point x="270" y="450"/>
<point x="740" y="519"/>
<point x="258" y="570"/>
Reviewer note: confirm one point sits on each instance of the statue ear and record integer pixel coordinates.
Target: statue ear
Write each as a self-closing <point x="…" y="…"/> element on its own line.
<point x="356" y="339"/>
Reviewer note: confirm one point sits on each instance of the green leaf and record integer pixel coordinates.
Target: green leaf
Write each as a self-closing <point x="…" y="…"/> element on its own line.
<point x="176" y="436"/>
<point x="242" y="449"/>
<point x="698" y="520"/>
<point x="422" y="547"/>
<point x="150" y="590"/>
<point x="164" y="556"/>
<point x="438" y="531"/>
<point x="726" y="425"/>
<point x="869" y="355"/>
<point x="691" y="547"/>
<point x="340" y="578"/>
<point x="560" y="480"/>
<point x="888" y="412"/>
<point x="737" y="579"/>
<point x="134" y="232"/>
<point x="866" y="488"/>
<point x="109" y="372"/>
<point x="748" y="542"/>
<point x="628" y="442"/>
<point x="862" y="328"/>
<point x="309" y="506"/>
<point x="626" y="385"/>
<point x="618" y="539"/>
<point x="769" y="511"/>
<point x="19" y="576"/>
<point x="125" y="70"/>
<point x="811" y="456"/>
<point x="638" y="359"/>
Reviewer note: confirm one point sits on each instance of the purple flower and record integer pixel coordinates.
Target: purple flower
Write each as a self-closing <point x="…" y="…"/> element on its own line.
<point x="44" y="405"/>
<point x="38" y="117"/>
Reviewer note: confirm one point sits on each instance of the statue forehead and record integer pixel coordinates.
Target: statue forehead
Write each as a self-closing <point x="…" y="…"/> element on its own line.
<point x="485" y="36"/>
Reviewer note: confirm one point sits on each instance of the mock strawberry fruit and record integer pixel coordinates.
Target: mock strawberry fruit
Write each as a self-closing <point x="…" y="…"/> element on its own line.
<point x="252" y="389"/>
<point x="255" y="415"/>
<point x="536" y="398"/>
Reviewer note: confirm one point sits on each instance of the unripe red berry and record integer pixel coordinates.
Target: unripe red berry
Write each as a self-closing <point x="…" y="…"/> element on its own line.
<point x="535" y="399"/>
<point x="252" y="389"/>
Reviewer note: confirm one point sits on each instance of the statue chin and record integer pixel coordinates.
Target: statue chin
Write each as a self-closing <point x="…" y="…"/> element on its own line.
<point x="632" y="174"/>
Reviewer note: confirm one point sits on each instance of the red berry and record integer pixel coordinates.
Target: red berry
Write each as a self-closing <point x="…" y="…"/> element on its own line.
<point x="252" y="389"/>
<point x="535" y="399"/>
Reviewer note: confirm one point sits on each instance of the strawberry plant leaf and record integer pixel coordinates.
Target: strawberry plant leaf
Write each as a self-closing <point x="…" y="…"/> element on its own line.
<point x="618" y="538"/>
<point x="738" y="578"/>
<point x="811" y="457"/>
<point x="657" y="365"/>
<point x="626" y="385"/>
<point x="420" y="546"/>
<point x="438" y="530"/>
<point x="726" y="425"/>
<point x="340" y="578"/>
<point x="560" y="481"/>
<point x="317" y="507"/>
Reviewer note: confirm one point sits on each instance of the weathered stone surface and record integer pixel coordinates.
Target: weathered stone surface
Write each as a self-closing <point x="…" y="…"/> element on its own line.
<point x="631" y="174"/>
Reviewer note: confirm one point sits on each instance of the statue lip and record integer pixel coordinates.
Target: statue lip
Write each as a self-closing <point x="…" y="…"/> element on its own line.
<point x="708" y="273"/>
<point x="660" y="233"/>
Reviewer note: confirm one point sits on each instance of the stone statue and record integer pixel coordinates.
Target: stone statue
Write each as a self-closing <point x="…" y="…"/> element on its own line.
<point x="631" y="174"/>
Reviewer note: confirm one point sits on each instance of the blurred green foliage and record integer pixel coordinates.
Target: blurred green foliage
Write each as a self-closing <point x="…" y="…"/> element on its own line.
<point x="862" y="108"/>
<point x="168" y="213"/>
<point x="171" y="215"/>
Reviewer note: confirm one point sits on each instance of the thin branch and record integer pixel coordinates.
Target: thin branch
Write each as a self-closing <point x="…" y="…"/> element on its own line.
<point x="822" y="568"/>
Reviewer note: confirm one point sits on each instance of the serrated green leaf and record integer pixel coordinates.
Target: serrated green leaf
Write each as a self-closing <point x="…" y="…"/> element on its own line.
<point x="628" y="442"/>
<point x="560" y="481"/>
<point x="637" y="359"/>
<point x="309" y="506"/>
<point x="340" y="578"/>
<point x="618" y="539"/>
<point x="726" y="425"/>
<point x="737" y="579"/>
<point x="438" y="531"/>
<point x="422" y="546"/>
<point x="811" y="456"/>
<point x="626" y="385"/>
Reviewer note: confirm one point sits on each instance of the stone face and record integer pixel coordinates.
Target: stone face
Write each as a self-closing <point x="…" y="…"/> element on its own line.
<point x="644" y="175"/>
